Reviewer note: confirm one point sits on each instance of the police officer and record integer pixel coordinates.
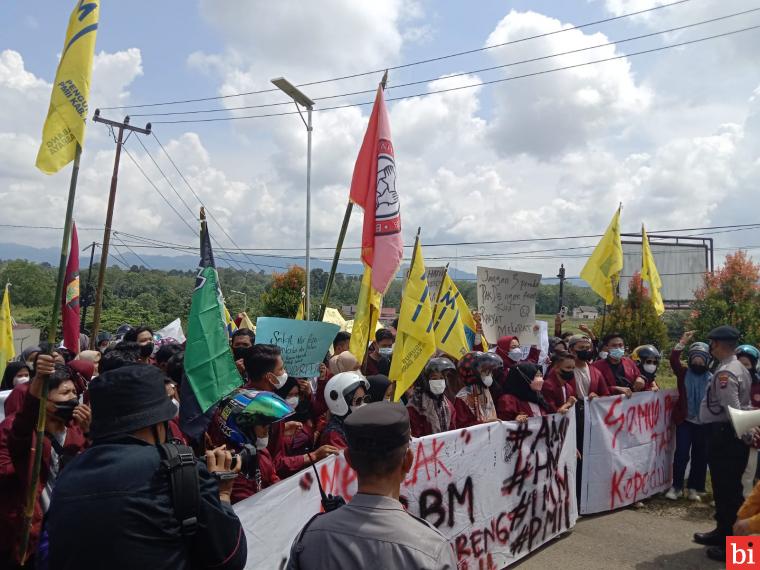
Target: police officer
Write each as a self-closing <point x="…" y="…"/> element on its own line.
<point x="373" y="530"/>
<point x="727" y="454"/>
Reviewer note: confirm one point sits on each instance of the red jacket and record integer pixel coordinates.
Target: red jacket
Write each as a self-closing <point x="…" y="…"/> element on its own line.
<point x="16" y="436"/>
<point x="421" y="426"/>
<point x="630" y="370"/>
<point x="552" y="389"/>
<point x="15" y="399"/>
<point x="509" y="406"/>
<point x="464" y="417"/>
<point x="334" y="438"/>
<point x="244" y="487"/>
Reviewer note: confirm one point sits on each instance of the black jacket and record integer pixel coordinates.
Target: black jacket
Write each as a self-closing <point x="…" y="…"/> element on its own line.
<point x="112" y="509"/>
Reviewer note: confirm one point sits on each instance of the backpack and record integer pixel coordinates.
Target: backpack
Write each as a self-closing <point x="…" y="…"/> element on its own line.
<point x="179" y="463"/>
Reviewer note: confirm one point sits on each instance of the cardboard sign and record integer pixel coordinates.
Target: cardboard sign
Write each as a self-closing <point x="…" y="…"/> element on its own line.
<point x="435" y="278"/>
<point x="497" y="491"/>
<point x="507" y="304"/>
<point x="628" y="447"/>
<point x="304" y="344"/>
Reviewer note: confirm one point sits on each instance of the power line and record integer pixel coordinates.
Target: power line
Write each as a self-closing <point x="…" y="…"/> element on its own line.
<point x="145" y="263"/>
<point x="410" y="64"/>
<point x="471" y="85"/>
<point x="461" y="74"/>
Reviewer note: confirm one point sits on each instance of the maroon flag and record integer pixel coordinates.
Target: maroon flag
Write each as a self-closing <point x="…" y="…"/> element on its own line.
<point x="70" y="301"/>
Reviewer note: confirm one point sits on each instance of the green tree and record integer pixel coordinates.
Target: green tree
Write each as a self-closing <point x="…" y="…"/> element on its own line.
<point x="635" y="318"/>
<point x="32" y="284"/>
<point x="283" y="295"/>
<point x="730" y="296"/>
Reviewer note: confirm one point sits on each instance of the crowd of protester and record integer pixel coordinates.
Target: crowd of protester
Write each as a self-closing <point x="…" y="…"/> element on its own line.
<point x="114" y="405"/>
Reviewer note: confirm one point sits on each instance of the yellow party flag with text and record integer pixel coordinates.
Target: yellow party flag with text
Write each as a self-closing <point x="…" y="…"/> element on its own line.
<point x="452" y="316"/>
<point x="650" y="274"/>
<point x="415" y="340"/>
<point x="603" y="268"/>
<point x="65" y="124"/>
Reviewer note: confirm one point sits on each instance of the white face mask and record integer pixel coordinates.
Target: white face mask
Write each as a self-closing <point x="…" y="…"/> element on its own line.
<point x="281" y="379"/>
<point x="262" y="442"/>
<point x="487" y="380"/>
<point x="176" y="404"/>
<point x="515" y="354"/>
<point x="292" y="401"/>
<point x="603" y="354"/>
<point x="437" y="387"/>
<point x="650" y="368"/>
<point x="20" y="380"/>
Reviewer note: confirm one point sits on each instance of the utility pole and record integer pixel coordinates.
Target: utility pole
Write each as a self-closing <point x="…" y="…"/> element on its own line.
<point x="125" y="126"/>
<point x="561" y="277"/>
<point x="86" y="299"/>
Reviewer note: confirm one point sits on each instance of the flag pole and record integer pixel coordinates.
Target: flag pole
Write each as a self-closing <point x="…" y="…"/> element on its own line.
<point x="38" y="445"/>
<point x="341" y="237"/>
<point x="440" y="287"/>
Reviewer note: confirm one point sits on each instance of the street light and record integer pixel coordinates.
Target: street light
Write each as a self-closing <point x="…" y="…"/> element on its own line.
<point x="245" y="298"/>
<point x="300" y="99"/>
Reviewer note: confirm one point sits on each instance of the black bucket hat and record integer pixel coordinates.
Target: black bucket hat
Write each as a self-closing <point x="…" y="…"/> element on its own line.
<point x="127" y="399"/>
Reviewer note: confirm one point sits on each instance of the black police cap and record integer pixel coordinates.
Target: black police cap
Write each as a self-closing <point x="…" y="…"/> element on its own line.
<point x="724" y="332"/>
<point x="380" y="426"/>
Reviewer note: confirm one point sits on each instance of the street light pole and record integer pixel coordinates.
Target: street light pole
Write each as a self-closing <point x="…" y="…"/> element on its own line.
<point x="245" y="298"/>
<point x="300" y="99"/>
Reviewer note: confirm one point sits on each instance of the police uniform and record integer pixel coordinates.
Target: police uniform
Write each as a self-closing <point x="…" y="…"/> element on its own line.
<point x="372" y="531"/>
<point x="727" y="454"/>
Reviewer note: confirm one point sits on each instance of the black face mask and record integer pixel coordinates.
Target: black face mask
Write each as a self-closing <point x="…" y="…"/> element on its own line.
<point x="585" y="355"/>
<point x="64" y="411"/>
<point x="146" y="350"/>
<point x="698" y="368"/>
<point x="566" y="374"/>
<point x="239" y="352"/>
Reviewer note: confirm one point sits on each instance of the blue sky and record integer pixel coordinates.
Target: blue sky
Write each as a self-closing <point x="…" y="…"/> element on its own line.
<point x="673" y="135"/>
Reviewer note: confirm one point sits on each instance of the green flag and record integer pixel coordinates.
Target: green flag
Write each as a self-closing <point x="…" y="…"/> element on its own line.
<point x="209" y="364"/>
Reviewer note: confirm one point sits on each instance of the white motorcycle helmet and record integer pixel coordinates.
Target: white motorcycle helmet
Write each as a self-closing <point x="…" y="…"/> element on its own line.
<point x="340" y="386"/>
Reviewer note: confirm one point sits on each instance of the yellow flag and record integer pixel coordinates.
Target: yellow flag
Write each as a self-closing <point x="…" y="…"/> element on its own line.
<point x="65" y="124"/>
<point x="451" y="317"/>
<point x="415" y="341"/>
<point x="603" y="267"/>
<point x="230" y="324"/>
<point x="245" y="322"/>
<point x="365" y="319"/>
<point x="7" y="350"/>
<point x="649" y="273"/>
<point x="301" y="306"/>
<point x="333" y="316"/>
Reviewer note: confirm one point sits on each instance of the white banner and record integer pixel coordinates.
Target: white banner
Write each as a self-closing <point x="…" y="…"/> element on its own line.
<point x="628" y="447"/>
<point x="498" y="491"/>
<point x="507" y="304"/>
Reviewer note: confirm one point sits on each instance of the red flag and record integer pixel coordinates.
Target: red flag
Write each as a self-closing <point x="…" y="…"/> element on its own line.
<point x="70" y="301"/>
<point x="373" y="187"/>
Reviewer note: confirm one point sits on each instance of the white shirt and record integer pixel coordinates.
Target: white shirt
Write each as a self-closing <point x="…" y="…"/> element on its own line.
<point x="582" y="381"/>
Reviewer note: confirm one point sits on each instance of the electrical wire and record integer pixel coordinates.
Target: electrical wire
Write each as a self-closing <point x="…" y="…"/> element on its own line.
<point x="410" y="64"/>
<point x="471" y="85"/>
<point x="454" y="75"/>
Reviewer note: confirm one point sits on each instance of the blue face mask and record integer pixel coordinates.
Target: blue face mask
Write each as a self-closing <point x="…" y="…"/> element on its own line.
<point x="617" y="353"/>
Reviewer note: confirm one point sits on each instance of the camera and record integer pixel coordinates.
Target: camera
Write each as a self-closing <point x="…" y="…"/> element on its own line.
<point x="248" y="460"/>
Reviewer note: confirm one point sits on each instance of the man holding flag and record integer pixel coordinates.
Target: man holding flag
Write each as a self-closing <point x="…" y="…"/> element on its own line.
<point x="373" y="187"/>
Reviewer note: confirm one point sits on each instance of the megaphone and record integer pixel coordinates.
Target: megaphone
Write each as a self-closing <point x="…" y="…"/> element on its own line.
<point x="744" y="420"/>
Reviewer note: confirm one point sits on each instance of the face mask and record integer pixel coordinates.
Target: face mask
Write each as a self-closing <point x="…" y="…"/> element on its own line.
<point x="698" y="368"/>
<point x="146" y="350"/>
<point x="515" y="354"/>
<point x="617" y="353"/>
<point x="584" y="355"/>
<point x="537" y="384"/>
<point x="387" y="352"/>
<point x="64" y="411"/>
<point x="262" y="442"/>
<point x="437" y="387"/>
<point x="487" y="380"/>
<point x="20" y="380"/>
<point x="566" y="374"/>
<point x="292" y="401"/>
<point x="650" y="368"/>
<point x="281" y="379"/>
<point x="239" y="352"/>
<point x="176" y="403"/>
<point x="603" y="355"/>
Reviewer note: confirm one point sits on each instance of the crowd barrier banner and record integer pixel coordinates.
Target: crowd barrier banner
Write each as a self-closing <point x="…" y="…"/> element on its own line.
<point x="628" y="447"/>
<point x="497" y="491"/>
<point x="303" y="343"/>
<point x="507" y="304"/>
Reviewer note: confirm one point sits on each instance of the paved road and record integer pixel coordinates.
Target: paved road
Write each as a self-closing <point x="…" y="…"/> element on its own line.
<point x="643" y="540"/>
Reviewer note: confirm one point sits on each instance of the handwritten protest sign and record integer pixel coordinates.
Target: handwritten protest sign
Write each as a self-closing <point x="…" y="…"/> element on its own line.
<point x="497" y="491"/>
<point x="628" y="447"/>
<point x="507" y="304"/>
<point x="303" y="343"/>
<point x="435" y="278"/>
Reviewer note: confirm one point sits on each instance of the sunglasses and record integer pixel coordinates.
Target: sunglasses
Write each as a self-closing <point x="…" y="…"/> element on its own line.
<point x="650" y="362"/>
<point x="361" y="400"/>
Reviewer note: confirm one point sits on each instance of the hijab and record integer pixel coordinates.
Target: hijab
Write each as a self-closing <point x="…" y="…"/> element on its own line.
<point x="378" y="385"/>
<point x="502" y="349"/>
<point x="435" y="409"/>
<point x="343" y="362"/>
<point x="518" y="384"/>
<point x="11" y="369"/>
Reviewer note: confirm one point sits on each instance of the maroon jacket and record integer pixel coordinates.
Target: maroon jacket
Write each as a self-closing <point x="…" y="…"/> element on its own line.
<point x="333" y="438"/>
<point x="552" y="389"/>
<point x="421" y="426"/>
<point x="509" y="406"/>
<point x="464" y="417"/>
<point x="630" y="370"/>
<point x="15" y="399"/>
<point x="244" y="487"/>
<point x="16" y="436"/>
